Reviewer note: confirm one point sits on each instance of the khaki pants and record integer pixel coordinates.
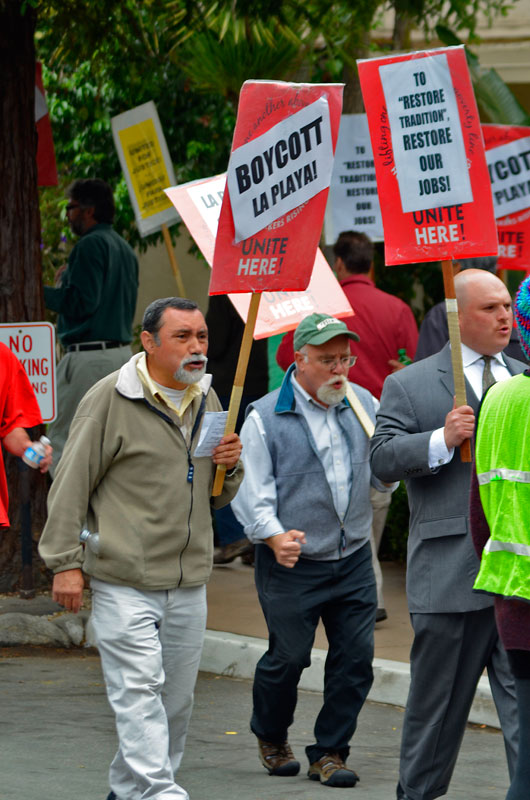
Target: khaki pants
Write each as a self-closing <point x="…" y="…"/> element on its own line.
<point x="150" y="645"/>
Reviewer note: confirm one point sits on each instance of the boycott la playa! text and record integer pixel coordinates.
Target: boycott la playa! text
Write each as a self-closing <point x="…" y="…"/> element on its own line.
<point x="262" y="166"/>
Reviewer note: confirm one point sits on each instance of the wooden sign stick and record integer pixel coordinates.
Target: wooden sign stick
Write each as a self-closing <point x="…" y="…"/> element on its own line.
<point x="239" y="381"/>
<point x="358" y="409"/>
<point x="173" y="261"/>
<point x="456" y="350"/>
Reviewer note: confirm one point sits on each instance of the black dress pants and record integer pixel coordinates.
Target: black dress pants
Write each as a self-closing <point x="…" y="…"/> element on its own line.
<point x="343" y="594"/>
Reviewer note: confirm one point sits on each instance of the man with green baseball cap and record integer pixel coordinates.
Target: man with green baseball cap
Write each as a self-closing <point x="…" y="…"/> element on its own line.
<point x="305" y="503"/>
<point x="320" y="328"/>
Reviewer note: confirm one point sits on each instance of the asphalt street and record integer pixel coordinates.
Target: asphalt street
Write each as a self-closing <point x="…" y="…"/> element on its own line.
<point x="57" y="739"/>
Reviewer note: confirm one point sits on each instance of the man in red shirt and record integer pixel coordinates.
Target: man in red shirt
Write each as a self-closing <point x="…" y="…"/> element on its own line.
<point x="18" y="410"/>
<point x="385" y="325"/>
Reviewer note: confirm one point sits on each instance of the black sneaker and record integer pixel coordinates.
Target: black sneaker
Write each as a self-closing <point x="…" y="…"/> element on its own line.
<point x="278" y="759"/>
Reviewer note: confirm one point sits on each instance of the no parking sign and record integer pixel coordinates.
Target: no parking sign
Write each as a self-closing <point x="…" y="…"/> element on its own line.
<point x="33" y="343"/>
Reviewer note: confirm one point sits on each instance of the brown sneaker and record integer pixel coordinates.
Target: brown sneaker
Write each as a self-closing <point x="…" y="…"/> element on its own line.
<point x="331" y="770"/>
<point x="278" y="759"/>
<point x="231" y="551"/>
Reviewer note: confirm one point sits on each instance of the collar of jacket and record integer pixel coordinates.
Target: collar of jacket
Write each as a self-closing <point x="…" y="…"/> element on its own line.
<point x="286" y="400"/>
<point x="357" y="277"/>
<point x="129" y="384"/>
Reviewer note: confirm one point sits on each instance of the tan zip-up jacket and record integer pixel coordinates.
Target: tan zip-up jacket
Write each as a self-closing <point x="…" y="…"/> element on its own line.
<point x="124" y="471"/>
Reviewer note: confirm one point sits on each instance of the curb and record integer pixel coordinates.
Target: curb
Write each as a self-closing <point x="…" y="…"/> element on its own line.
<point x="236" y="656"/>
<point x="233" y="656"/>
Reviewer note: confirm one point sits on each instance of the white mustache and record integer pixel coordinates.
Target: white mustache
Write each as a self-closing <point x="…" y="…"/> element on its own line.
<point x="331" y="381"/>
<point x="195" y="357"/>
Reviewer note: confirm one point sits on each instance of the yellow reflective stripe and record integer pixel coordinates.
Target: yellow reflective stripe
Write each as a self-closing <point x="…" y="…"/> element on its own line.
<point x="495" y="546"/>
<point x="502" y="474"/>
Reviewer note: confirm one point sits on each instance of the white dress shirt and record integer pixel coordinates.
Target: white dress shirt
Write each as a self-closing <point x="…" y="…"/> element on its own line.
<point x="473" y="370"/>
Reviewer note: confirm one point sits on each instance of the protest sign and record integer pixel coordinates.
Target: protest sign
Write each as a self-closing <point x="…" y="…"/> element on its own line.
<point x="199" y="205"/>
<point x="508" y="159"/>
<point x="146" y="165"/>
<point x="33" y="343"/>
<point x="278" y="179"/>
<point x="148" y="170"/>
<point x="273" y="207"/>
<point x="429" y="156"/>
<point x="353" y="203"/>
<point x="431" y="170"/>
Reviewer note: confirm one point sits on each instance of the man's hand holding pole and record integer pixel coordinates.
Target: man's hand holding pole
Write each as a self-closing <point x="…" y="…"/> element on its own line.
<point x="228" y="451"/>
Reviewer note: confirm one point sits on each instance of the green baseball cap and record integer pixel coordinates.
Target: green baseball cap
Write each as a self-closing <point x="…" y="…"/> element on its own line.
<point x="320" y="328"/>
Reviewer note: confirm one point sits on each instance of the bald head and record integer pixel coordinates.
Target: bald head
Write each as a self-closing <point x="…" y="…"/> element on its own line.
<point x="471" y="281"/>
<point x="484" y="311"/>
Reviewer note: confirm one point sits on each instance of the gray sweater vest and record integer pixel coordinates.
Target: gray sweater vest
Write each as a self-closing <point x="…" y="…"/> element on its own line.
<point x="305" y="501"/>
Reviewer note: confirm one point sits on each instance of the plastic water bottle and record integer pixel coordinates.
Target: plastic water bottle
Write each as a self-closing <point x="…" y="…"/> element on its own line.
<point x="90" y="540"/>
<point x="36" y="451"/>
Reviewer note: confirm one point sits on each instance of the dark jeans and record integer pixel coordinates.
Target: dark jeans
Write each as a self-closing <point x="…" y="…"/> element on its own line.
<point x="342" y="593"/>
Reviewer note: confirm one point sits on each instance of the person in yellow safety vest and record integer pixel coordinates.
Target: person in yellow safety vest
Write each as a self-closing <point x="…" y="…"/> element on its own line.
<point x="500" y="526"/>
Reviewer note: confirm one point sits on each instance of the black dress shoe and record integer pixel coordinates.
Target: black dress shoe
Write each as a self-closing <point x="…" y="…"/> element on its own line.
<point x="381" y="615"/>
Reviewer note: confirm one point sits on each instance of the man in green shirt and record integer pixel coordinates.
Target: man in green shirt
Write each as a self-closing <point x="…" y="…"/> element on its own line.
<point x="95" y="301"/>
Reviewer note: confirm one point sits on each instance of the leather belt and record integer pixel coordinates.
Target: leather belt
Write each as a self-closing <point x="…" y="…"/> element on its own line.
<point x="93" y="346"/>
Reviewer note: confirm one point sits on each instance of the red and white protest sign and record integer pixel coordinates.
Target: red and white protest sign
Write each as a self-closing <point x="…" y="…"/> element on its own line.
<point x="278" y="180"/>
<point x="432" y="176"/>
<point x="199" y="205"/>
<point x="508" y="158"/>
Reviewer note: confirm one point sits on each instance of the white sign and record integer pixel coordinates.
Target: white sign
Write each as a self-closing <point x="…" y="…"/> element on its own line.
<point x="146" y="165"/>
<point x="278" y="171"/>
<point x="509" y="168"/>
<point x="208" y="197"/>
<point x="429" y="151"/>
<point x="353" y="203"/>
<point x="33" y="343"/>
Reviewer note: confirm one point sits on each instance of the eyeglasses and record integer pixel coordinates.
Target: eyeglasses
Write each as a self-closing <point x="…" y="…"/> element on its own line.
<point x="71" y="206"/>
<point x="330" y="363"/>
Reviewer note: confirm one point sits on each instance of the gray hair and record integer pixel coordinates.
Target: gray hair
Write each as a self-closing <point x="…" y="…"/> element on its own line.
<point x="152" y="319"/>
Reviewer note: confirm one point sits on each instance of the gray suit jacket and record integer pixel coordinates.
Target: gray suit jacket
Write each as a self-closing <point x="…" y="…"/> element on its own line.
<point x="441" y="561"/>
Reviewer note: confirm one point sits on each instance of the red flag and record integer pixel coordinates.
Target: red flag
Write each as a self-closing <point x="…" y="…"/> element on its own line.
<point x="46" y="167"/>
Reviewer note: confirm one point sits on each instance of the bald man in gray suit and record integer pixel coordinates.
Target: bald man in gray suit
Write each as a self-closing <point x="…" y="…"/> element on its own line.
<point x="417" y="436"/>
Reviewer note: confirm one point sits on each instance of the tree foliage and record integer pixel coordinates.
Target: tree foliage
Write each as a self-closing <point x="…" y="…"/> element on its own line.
<point x="103" y="57"/>
<point x="462" y="16"/>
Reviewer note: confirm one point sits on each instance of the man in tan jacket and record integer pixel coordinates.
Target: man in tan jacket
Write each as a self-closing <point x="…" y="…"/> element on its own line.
<point x="129" y="471"/>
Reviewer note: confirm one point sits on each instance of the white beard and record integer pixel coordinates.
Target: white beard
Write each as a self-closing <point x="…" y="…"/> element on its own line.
<point x="194" y="376"/>
<point x="329" y="395"/>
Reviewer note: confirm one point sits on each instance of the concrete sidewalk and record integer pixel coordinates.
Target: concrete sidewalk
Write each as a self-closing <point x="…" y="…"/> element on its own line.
<point x="57" y="740"/>
<point x="233" y="606"/>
